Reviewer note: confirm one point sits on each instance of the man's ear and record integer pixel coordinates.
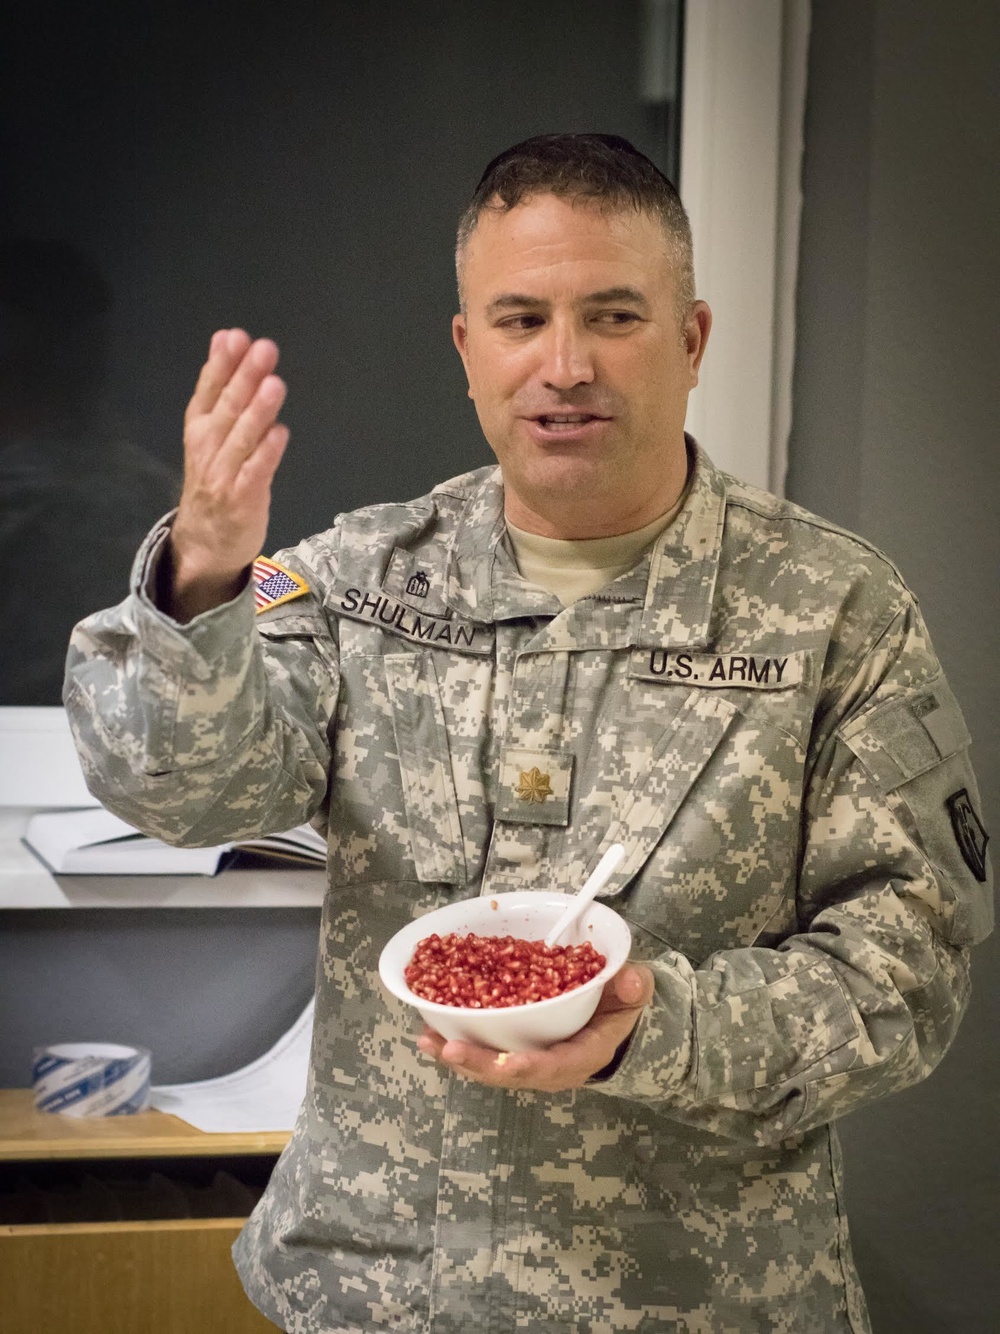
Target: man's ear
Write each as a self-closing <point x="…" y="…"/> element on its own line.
<point x="697" y="327"/>
<point x="460" y="337"/>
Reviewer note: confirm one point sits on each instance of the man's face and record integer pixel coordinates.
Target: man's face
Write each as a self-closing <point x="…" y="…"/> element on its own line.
<point x="578" y="363"/>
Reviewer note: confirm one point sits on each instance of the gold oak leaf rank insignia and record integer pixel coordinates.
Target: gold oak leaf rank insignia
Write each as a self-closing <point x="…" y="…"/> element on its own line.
<point x="534" y="786"/>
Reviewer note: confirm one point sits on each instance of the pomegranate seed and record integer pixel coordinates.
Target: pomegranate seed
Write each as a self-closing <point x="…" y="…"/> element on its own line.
<point x="495" y="972"/>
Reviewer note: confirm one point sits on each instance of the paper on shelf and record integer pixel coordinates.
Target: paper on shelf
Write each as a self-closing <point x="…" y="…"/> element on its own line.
<point x="262" y="1096"/>
<point x="24" y="880"/>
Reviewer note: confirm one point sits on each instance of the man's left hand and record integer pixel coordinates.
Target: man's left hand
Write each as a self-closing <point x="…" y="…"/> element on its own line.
<point x="567" y="1065"/>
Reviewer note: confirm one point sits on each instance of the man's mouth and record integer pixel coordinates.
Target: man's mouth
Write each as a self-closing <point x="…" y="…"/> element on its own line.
<point x="566" y="421"/>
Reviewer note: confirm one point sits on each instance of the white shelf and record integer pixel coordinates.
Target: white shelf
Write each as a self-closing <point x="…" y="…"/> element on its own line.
<point x="26" y="883"/>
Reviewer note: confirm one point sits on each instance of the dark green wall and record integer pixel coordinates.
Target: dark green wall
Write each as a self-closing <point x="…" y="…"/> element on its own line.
<point x="897" y="399"/>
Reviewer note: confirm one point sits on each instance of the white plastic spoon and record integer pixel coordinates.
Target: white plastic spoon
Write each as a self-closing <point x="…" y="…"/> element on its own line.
<point x="593" y="885"/>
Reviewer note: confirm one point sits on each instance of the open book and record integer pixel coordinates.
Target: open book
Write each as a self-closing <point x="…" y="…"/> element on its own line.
<point x="95" y="842"/>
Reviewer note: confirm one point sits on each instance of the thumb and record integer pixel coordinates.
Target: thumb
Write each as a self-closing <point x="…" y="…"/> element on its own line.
<point x="634" y="986"/>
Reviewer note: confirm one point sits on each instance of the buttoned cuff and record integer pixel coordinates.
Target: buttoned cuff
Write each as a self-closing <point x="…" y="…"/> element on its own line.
<point x="204" y="646"/>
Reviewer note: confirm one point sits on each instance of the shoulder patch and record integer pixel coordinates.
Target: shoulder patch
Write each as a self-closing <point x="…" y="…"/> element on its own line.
<point x="970" y="835"/>
<point x="273" y="584"/>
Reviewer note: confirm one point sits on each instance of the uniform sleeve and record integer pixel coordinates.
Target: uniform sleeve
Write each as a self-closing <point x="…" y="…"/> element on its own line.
<point x="210" y="731"/>
<point x="894" y="887"/>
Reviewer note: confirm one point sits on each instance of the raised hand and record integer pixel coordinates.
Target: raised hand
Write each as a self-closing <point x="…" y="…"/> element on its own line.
<point x="233" y="444"/>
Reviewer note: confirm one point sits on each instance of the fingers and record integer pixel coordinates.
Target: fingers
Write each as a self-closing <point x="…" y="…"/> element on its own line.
<point x="253" y="425"/>
<point x="262" y="464"/>
<point x="565" y="1065"/>
<point x="233" y="444"/>
<point x="234" y="410"/>
<point x="236" y="379"/>
<point x="500" y="1069"/>
<point x="225" y="352"/>
<point x="252" y="375"/>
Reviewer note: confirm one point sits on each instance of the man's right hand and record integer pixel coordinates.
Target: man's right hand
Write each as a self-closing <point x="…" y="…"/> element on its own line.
<point x="233" y="444"/>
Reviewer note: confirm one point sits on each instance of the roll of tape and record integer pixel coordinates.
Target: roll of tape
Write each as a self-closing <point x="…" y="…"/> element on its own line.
<point x="91" y="1079"/>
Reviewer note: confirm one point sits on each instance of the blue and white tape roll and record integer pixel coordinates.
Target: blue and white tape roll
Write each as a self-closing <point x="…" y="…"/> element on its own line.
<point x="91" y="1079"/>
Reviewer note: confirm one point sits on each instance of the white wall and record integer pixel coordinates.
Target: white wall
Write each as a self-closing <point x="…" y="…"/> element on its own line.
<point x="741" y="145"/>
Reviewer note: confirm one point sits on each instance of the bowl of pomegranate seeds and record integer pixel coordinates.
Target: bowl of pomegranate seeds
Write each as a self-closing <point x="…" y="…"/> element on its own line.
<point x="480" y="970"/>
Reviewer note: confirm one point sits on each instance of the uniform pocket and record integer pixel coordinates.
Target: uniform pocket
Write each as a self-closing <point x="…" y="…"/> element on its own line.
<point x="772" y="1033"/>
<point x="425" y="768"/>
<point x="903" y="738"/>
<point x="683" y="750"/>
<point x="915" y="749"/>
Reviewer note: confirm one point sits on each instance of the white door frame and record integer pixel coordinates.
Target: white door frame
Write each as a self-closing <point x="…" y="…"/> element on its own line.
<point x="743" y="102"/>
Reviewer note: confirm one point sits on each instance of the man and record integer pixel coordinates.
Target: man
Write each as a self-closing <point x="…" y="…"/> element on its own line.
<point x="740" y="693"/>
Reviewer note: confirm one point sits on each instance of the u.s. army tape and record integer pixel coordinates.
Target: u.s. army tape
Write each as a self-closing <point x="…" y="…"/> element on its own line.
<point x="91" y="1079"/>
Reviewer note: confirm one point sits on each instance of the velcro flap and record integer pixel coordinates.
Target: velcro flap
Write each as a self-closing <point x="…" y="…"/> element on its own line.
<point x="299" y="618"/>
<point x="905" y="737"/>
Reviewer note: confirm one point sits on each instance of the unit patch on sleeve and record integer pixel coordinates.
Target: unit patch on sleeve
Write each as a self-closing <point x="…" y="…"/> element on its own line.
<point x="273" y="584"/>
<point x="970" y="835"/>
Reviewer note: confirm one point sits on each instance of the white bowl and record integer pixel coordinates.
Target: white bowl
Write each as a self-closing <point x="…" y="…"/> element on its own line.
<point x="528" y="916"/>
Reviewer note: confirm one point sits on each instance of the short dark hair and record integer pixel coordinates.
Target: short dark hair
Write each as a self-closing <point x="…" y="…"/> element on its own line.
<point x="604" y="168"/>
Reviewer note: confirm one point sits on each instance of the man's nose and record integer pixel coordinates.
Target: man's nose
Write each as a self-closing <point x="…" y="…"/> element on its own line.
<point x="568" y="359"/>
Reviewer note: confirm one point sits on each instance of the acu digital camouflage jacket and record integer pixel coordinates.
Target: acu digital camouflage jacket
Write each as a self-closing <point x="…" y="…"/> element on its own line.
<point x="755" y="711"/>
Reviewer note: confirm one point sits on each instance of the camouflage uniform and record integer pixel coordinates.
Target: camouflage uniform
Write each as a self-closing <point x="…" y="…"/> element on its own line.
<point x="756" y="712"/>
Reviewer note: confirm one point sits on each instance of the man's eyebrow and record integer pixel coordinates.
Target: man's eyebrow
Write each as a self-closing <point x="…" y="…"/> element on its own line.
<point x="607" y="295"/>
<point x="629" y="295"/>
<point x="514" y="301"/>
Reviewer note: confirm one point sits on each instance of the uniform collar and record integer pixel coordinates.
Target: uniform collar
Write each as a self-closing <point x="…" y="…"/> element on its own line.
<point x="483" y="582"/>
<point x="684" y="563"/>
<point x="665" y="600"/>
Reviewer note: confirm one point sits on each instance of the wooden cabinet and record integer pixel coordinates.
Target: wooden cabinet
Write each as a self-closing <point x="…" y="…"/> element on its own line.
<point x="147" y="1276"/>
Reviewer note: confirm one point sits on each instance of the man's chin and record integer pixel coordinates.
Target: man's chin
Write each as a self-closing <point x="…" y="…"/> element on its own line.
<point x="569" y="492"/>
<point x="566" y="476"/>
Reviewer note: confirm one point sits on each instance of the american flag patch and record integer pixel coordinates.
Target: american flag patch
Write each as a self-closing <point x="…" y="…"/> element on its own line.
<point x="273" y="584"/>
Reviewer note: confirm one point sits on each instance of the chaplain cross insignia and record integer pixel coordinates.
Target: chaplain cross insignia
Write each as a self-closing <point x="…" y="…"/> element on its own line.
<point x="534" y="786"/>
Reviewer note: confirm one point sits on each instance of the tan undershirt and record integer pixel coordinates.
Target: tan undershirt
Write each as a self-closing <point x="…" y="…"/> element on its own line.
<point x="571" y="570"/>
